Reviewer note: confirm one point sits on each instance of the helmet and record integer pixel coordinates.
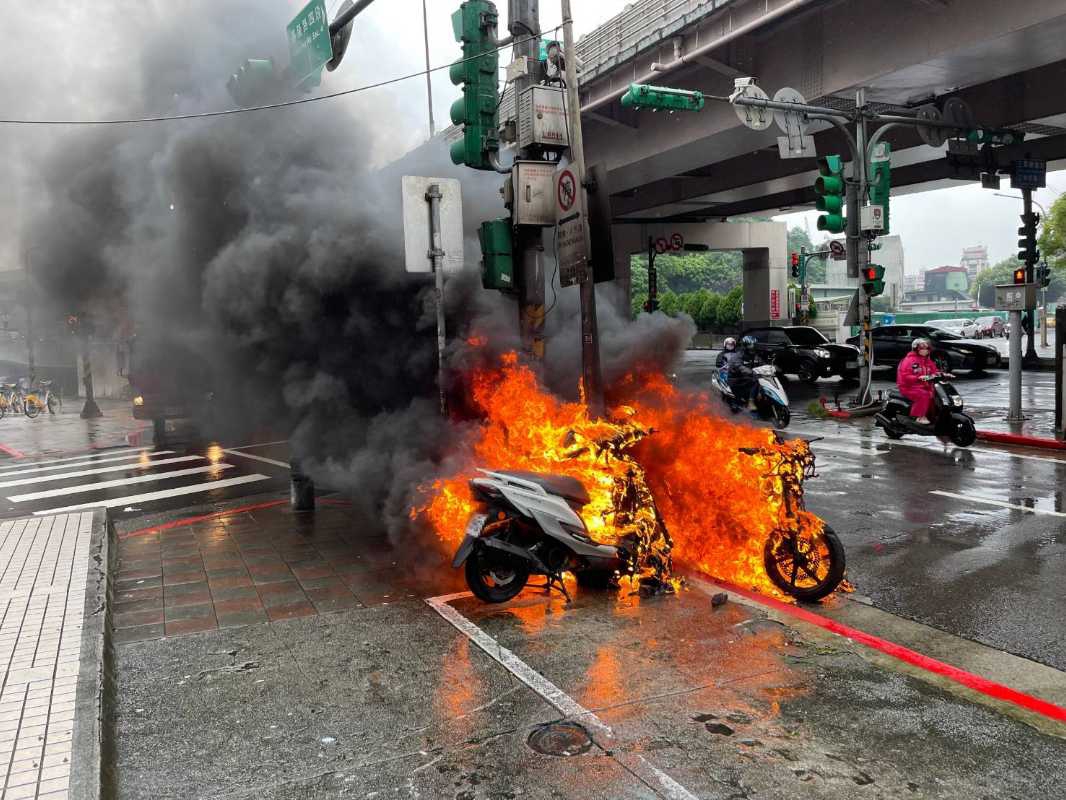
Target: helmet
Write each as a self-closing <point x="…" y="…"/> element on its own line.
<point x="919" y="342"/>
<point x="748" y="342"/>
<point x="729" y="344"/>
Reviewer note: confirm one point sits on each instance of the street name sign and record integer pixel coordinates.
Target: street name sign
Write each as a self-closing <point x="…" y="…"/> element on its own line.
<point x="310" y="47"/>
<point x="416" y="223"/>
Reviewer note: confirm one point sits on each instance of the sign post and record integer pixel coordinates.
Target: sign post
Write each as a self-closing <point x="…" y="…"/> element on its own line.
<point x="1014" y="298"/>
<point x="310" y="45"/>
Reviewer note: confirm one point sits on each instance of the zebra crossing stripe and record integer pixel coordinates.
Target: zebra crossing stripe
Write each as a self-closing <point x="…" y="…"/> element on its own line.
<point x="148" y="497"/>
<point x="84" y="461"/>
<point x="134" y="465"/>
<point x="92" y="487"/>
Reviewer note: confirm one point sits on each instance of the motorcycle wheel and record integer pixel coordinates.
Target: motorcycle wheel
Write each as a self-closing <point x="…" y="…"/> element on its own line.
<point x="892" y="433"/>
<point x="782" y="416"/>
<point x="491" y="579"/>
<point x="808" y="566"/>
<point x="964" y="434"/>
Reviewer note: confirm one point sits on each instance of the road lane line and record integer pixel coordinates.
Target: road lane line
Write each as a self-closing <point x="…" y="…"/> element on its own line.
<point x="261" y="444"/>
<point x="85" y="461"/>
<point x="653" y="777"/>
<point x="874" y="447"/>
<point x="148" y="497"/>
<point x="973" y="498"/>
<point x="92" y="487"/>
<point x="275" y="462"/>
<point x="128" y="467"/>
<point x="82" y="457"/>
<point x="996" y="691"/>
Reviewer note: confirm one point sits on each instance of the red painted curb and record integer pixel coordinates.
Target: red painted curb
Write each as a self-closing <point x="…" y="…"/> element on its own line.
<point x="1024" y="441"/>
<point x="986" y="687"/>
<point x="181" y="523"/>
<point x="11" y="451"/>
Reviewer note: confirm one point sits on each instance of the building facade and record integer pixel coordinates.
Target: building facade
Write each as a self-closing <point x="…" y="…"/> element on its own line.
<point x="974" y="259"/>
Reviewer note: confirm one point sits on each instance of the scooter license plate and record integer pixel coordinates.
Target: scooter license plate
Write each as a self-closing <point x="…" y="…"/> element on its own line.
<point x="473" y="530"/>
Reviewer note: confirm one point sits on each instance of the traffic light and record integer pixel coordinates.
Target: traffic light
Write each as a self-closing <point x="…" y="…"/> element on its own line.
<point x="881" y="180"/>
<point x="830" y="190"/>
<point x="1019" y="275"/>
<point x="873" y="280"/>
<point x="795" y="265"/>
<point x="1043" y="275"/>
<point x="254" y="83"/>
<point x="474" y="25"/>
<point x="660" y="98"/>
<point x="1027" y="251"/>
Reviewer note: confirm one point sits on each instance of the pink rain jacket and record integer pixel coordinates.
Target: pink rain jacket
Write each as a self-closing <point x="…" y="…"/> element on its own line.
<point x="908" y="377"/>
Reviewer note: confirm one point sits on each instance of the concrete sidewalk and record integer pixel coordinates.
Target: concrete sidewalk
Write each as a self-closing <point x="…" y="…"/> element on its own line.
<point x="50" y="708"/>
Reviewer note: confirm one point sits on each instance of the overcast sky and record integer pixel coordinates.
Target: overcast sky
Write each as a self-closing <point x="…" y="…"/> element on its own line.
<point x="82" y="79"/>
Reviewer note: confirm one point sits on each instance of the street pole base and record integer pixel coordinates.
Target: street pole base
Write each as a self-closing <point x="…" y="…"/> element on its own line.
<point x="90" y="410"/>
<point x="1030" y="360"/>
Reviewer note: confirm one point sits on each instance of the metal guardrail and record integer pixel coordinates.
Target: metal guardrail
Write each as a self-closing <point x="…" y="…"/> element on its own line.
<point x="642" y="25"/>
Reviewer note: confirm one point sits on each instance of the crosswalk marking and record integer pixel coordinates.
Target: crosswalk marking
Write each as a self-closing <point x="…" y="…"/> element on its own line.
<point x="136" y="465"/>
<point x="160" y="495"/>
<point x="92" y="487"/>
<point x="86" y="461"/>
<point x="265" y="460"/>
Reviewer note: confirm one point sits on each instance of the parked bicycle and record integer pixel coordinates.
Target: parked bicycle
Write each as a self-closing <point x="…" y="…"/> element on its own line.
<point x="36" y="400"/>
<point x="10" y="398"/>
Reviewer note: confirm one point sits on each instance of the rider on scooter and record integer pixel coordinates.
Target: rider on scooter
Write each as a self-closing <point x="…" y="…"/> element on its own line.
<point x="913" y="376"/>
<point x="729" y="347"/>
<point x="740" y="365"/>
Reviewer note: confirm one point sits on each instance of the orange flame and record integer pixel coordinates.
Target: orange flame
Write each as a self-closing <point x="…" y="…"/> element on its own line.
<point x="719" y="504"/>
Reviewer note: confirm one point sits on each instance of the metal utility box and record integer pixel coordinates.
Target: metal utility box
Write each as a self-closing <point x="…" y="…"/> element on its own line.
<point x="542" y="118"/>
<point x="497" y="266"/>
<point x="1015" y="296"/>
<point x="532" y="199"/>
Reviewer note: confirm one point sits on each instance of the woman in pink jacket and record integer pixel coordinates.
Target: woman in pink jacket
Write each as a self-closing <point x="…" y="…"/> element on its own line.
<point x="913" y="376"/>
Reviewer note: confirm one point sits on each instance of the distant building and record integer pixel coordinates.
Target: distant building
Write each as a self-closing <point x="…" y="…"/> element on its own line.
<point x="944" y="280"/>
<point x="890" y="256"/>
<point x="974" y="259"/>
<point x="913" y="282"/>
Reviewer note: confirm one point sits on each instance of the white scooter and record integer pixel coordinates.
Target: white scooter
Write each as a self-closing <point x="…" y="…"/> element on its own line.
<point x="768" y="395"/>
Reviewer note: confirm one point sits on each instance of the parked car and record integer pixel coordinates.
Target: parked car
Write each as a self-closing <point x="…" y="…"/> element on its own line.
<point x="966" y="328"/>
<point x="989" y="327"/>
<point x="804" y="352"/>
<point x="950" y="352"/>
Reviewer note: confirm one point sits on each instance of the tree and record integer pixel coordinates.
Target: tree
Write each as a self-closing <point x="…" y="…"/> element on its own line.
<point x="798" y="240"/>
<point x="729" y="311"/>
<point x="1053" y="234"/>
<point x="983" y="288"/>
<point x="708" y="319"/>
<point x="669" y="303"/>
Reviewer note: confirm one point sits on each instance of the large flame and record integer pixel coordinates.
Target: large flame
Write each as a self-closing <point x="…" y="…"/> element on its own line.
<point x="719" y="504"/>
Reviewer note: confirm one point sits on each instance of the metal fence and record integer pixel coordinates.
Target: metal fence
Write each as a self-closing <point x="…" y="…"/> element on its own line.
<point x="643" y="24"/>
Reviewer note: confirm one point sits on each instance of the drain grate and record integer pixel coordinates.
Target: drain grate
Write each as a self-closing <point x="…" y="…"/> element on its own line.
<point x="560" y="739"/>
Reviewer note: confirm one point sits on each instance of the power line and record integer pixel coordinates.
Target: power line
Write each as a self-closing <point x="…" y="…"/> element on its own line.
<point x="267" y="107"/>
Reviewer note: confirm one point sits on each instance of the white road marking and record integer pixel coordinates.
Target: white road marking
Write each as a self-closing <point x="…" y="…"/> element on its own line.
<point x="661" y="783"/>
<point x="257" y="458"/>
<point x="261" y="444"/>
<point x="85" y="461"/>
<point x="134" y="465"/>
<point x="872" y="446"/>
<point x="161" y="495"/>
<point x="92" y="487"/>
<point x="993" y="502"/>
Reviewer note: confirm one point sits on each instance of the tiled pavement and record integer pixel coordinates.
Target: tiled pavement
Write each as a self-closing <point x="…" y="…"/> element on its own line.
<point x="42" y="594"/>
<point x="243" y="568"/>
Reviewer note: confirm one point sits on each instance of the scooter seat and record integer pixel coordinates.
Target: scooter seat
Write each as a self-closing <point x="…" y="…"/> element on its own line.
<point x="570" y="489"/>
<point x="892" y="395"/>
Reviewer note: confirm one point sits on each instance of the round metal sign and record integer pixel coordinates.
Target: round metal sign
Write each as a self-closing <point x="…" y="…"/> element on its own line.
<point x="661" y="245"/>
<point x="836" y="249"/>
<point x="791" y="123"/>
<point x="677" y="242"/>
<point x="958" y="112"/>
<point x="934" y="137"/>
<point x="758" y="119"/>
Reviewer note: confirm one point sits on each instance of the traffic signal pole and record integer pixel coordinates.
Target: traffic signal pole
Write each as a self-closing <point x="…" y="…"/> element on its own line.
<point x="1030" y="358"/>
<point x="523" y="24"/>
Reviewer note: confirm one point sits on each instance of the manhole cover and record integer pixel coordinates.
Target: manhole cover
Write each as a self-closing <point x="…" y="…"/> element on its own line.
<point x="560" y="739"/>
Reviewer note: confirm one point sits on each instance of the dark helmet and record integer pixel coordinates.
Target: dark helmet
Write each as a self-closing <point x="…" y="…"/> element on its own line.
<point x="748" y="343"/>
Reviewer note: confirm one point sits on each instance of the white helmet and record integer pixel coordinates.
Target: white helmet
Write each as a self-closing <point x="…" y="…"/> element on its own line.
<point x="730" y="343"/>
<point x="919" y="342"/>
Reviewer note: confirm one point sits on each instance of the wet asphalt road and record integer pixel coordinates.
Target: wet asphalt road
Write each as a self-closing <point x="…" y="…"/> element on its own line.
<point x="987" y="573"/>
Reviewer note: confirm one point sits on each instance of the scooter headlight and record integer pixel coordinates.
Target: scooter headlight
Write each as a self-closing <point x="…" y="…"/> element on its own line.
<point x="957" y="401"/>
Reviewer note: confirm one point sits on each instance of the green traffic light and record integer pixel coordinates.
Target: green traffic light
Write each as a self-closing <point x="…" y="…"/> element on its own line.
<point x="829" y="186"/>
<point x="474" y="25"/>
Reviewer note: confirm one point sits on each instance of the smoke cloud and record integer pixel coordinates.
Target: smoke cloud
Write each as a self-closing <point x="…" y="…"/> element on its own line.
<point x="262" y="252"/>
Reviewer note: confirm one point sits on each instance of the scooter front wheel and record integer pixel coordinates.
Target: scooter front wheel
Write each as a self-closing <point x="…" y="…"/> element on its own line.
<point x="492" y="579"/>
<point x="808" y="566"/>
<point x="964" y="434"/>
<point x="782" y="416"/>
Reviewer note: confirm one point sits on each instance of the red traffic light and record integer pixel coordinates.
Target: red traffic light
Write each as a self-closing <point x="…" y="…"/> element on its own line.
<point x="795" y="259"/>
<point x="870" y="273"/>
<point x="1019" y="275"/>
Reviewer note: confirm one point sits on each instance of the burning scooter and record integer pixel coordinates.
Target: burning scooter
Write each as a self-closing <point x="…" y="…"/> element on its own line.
<point x="529" y="523"/>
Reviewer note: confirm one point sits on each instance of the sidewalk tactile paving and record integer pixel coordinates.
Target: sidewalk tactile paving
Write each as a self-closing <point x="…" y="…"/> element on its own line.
<point x="43" y="563"/>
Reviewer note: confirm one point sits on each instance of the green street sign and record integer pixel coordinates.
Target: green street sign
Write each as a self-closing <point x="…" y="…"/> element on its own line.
<point x="309" y="43"/>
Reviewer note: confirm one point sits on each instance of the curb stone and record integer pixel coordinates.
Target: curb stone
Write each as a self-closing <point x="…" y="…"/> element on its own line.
<point x="92" y="768"/>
